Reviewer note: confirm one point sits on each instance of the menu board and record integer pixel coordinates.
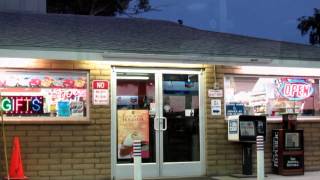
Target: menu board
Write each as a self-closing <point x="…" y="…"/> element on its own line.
<point x="132" y="125"/>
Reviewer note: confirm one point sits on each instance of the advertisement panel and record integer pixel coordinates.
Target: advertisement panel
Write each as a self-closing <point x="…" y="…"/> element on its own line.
<point x="132" y="125"/>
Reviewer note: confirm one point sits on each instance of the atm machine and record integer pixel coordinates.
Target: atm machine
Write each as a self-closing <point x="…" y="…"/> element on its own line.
<point x="244" y="129"/>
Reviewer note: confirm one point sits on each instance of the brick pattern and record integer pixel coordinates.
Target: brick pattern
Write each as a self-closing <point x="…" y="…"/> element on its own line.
<point x="224" y="157"/>
<point x="68" y="151"/>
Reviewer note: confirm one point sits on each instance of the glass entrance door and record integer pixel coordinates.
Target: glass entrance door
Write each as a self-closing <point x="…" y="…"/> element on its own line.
<point x="180" y="139"/>
<point x="161" y="108"/>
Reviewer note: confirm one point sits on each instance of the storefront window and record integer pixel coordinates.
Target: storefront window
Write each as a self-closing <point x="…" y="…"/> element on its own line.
<point x="43" y="93"/>
<point x="271" y="96"/>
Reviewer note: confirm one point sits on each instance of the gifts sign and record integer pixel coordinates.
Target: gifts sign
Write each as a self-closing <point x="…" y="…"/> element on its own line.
<point x="22" y="104"/>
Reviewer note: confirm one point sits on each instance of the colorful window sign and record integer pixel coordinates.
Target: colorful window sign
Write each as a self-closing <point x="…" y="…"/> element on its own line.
<point x="22" y="104"/>
<point x="133" y="125"/>
<point x="295" y="89"/>
<point x="42" y="80"/>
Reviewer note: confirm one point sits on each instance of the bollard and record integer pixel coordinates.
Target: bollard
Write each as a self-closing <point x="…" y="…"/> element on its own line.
<point x="260" y="158"/>
<point x="137" y="160"/>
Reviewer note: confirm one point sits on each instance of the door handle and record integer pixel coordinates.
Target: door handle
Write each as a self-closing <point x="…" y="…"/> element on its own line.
<point x="165" y="124"/>
<point x="156" y="123"/>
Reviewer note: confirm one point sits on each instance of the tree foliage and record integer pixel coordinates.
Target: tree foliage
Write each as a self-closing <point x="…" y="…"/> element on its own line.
<point x="98" y="7"/>
<point x="311" y="25"/>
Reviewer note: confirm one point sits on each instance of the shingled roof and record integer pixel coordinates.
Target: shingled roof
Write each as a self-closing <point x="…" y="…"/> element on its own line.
<point x="101" y="34"/>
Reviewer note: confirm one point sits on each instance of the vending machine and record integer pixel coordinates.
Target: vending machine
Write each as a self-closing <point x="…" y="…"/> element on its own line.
<point x="244" y="129"/>
<point x="288" y="148"/>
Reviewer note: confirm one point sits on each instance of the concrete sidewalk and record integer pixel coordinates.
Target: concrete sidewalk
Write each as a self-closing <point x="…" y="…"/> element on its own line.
<point x="313" y="175"/>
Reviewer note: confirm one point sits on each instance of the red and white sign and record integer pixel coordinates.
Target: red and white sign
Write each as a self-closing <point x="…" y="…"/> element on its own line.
<point x="215" y="93"/>
<point x="295" y="89"/>
<point x="100" y="92"/>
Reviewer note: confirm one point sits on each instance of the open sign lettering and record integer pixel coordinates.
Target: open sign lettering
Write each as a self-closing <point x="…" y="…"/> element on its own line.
<point x="295" y="89"/>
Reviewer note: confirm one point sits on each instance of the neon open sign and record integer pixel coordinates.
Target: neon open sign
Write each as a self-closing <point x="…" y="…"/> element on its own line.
<point x="22" y="104"/>
<point x="295" y="89"/>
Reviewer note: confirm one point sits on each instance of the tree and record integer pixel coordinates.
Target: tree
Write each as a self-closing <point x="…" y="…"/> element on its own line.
<point x="98" y="7"/>
<point x="311" y="25"/>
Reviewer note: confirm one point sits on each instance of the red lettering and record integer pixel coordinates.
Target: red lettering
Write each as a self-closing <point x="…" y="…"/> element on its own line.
<point x="294" y="90"/>
<point x="306" y="90"/>
<point x="297" y="90"/>
<point x="287" y="90"/>
<point x="300" y="90"/>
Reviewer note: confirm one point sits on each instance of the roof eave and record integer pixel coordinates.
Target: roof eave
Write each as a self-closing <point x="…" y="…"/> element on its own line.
<point x="114" y="57"/>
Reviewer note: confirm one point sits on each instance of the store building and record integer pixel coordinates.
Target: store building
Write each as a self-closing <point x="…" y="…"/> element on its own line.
<point x="77" y="90"/>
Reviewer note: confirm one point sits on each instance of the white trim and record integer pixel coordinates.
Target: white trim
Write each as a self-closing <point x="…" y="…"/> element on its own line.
<point x="186" y="58"/>
<point x="56" y="55"/>
<point x="113" y="123"/>
<point x="149" y="58"/>
<point x="202" y="121"/>
<point x="207" y="59"/>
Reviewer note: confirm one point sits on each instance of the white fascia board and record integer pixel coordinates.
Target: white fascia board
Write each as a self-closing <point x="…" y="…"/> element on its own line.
<point x="114" y="57"/>
<point x="187" y="58"/>
<point x="56" y="55"/>
<point x="201" y="59"/>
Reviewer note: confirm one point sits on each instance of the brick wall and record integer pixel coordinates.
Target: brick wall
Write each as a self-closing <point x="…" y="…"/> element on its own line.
<point x="82" y="151"/>
<point x="66" y="151"/>
<point x="224" y="157"/>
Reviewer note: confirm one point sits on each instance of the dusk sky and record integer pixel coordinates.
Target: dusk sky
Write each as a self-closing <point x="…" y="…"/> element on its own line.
<point x="271" y="19"/>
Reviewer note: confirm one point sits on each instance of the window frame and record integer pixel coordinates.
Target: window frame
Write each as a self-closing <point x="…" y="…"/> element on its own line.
<point x="272" y="119"/>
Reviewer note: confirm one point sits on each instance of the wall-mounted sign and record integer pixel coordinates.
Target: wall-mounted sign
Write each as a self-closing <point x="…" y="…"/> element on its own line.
<point x="22" y="105"/>
<point x="234" y="109"/>
<point x="215" y="93"/>
<point x="100" y="92"/>
<point x="233" y="126"/>
<point x="132" y="125"/>
<point x="294" y="89"/>
<point x="216" y="107"/>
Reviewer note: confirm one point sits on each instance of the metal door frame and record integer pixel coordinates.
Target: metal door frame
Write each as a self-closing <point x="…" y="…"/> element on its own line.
<point x="159" y="165"/>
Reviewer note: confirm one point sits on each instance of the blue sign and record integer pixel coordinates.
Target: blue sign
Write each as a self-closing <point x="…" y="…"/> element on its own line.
<point x="64" y="109"/>
<point x="234" y="109"/>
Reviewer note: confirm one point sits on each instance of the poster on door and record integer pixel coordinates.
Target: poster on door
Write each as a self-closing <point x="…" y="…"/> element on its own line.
<point x="132" y="125"/>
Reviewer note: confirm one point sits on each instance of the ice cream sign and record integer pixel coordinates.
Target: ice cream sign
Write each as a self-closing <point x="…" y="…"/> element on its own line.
<point x="295" y="89"/>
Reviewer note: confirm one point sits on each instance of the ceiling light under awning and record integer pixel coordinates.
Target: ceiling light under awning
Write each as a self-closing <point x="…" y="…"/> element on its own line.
<point x="133" y="77"/>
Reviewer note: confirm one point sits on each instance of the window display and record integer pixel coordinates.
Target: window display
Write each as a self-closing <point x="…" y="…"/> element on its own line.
<point x="272" y="96"/>
<point x="43" y="93"/>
